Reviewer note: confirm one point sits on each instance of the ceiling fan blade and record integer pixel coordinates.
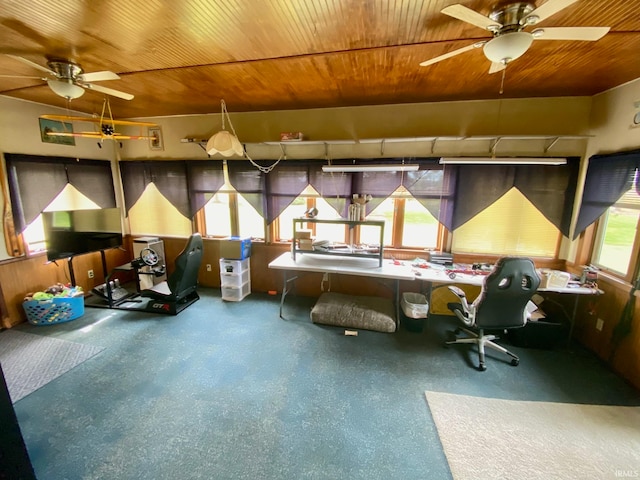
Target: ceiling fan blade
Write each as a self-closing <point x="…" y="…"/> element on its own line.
<point x="452" y="54"/>
<point x="33" y="64"/>
<point x="496" y="67"/>
<point x="99" y="76"/>
<point x="108" y="91"/>
<point x="589" y="34"/>
<point x="21" y="76"/>
<point x="470" y="16"/>
<point x="544" y="11"/>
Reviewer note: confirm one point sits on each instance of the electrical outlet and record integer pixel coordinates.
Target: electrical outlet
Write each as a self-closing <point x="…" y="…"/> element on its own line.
<point x="208" y="267"/>
<point x="90" y="273"/>
<point x="599" y="324"/>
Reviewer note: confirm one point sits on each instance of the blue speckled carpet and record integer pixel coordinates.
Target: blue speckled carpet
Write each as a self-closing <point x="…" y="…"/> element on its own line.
<point x="229" y="390"/>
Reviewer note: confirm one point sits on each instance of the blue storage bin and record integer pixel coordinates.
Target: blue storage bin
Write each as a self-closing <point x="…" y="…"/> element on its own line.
<point x="54" y="310"/>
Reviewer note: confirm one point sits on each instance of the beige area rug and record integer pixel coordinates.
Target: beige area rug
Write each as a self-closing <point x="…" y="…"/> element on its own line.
<point x="487" y="438"/>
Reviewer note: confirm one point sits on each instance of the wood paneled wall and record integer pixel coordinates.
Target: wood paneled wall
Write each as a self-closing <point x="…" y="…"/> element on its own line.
<point x="17" y="277"/>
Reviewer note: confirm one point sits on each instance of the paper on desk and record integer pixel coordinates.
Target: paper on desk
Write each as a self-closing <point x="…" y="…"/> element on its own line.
<point x="533" y="312"/>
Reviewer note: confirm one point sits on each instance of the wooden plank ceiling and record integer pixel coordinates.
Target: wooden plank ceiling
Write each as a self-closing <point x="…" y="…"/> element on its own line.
<point x="182" y="57"/>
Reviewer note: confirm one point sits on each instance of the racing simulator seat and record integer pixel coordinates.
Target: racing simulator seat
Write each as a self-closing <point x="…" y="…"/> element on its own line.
<point x="179" y="290"/>
<point x="500" y="305"/>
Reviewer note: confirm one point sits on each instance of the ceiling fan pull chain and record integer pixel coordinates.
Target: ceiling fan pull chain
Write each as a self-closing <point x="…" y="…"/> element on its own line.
<point x="504" y="72"/>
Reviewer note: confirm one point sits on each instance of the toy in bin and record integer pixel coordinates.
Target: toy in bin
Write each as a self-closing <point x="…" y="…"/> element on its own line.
<point x="58" y="303"/>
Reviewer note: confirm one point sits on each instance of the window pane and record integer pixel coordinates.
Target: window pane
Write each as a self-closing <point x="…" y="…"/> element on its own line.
<point x="69" y="199"/>
<point x="384" y="212"/>
<point x="334" y="233"/>
<point x="218" y="216"/>
<point x="420" y="228"/>
<point x="251" y="223"/>
<point x="295" y="210"/>
<point x="617" y="232"/>
<point x="511" y="226"/>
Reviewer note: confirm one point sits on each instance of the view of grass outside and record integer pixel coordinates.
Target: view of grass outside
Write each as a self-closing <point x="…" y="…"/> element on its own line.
<point x="420" y="228"/>
<point x="617" y="245"/>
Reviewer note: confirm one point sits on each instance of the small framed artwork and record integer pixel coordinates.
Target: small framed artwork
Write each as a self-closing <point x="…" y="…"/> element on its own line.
<point x="54" y="126"/>
<point x="155" y="142"/>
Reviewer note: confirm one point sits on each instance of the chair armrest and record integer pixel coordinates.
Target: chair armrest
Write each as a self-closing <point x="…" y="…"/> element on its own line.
<point x="458" y="292"/>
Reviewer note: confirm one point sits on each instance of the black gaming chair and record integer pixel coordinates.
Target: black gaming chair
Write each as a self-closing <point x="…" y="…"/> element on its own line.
<point x="179" y="291"/>
<point x="501" y="304"/>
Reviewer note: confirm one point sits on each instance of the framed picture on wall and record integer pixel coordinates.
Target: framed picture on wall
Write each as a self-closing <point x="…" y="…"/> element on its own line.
<point x="155" y="142"/>
<point x="54" y="126"/>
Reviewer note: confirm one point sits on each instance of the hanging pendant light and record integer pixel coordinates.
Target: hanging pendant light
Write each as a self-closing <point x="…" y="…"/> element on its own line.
<point x="224" y="142"/>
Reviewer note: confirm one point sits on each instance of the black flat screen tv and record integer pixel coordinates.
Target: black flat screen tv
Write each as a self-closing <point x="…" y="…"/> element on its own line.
<point x="75" y="232"/>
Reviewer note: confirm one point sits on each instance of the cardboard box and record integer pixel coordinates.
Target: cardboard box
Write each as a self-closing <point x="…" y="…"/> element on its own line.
<point x="305" y="244"/>
<point x="303" y="233"/>
<point x="235" y="248"/>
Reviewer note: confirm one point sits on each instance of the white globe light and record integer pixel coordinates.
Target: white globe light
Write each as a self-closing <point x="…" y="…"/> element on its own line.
<point x="66" y="89"/>
<point x="507" y="47"/>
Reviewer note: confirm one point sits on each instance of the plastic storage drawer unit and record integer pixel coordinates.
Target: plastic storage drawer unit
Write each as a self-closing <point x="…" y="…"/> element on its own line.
<point x="234" y="279"/>
<point x="235" y="294"/>
<point x="233" y="266"/>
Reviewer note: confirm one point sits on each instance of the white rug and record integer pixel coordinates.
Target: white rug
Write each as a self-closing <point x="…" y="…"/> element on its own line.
<point x="31" y="361"/>
<point x="487" y="438"/>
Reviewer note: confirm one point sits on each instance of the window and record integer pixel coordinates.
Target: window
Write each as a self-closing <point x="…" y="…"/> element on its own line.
<point x="69" y="199"/>
<point x="616" y="235"/>
<point x="414" y="226"/>
<point x="227" y="205"/>
<point x="408" y="224"/>
<point x="310" y="198"/>
<point x="510" y="226"/>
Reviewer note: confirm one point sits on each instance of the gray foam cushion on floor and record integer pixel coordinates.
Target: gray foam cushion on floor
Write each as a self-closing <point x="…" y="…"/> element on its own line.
<point x="368" y="313"/>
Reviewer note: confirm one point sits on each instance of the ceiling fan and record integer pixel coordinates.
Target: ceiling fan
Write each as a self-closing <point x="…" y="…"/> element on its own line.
<point x="507" y="23"/>
<point x="68" y="79"/>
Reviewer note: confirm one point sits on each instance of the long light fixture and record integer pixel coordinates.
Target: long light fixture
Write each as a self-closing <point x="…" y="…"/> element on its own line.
<point x="225" y="143"/>
<point x="370" y="168"/>
<point x="503" y="160"/>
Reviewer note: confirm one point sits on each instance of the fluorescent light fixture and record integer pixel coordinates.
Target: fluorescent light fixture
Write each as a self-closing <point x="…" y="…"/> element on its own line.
<point x="370" y="168"/>
<point x="503" y="160"/>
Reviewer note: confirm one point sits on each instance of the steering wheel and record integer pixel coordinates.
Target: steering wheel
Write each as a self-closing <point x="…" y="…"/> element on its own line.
<point x="149" y="257"/>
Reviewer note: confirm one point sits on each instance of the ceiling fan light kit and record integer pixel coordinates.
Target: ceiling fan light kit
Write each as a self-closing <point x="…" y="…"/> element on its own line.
<point x="505" y="48"/>
<point x="508" y="22"/>
<point x="65" y="88"/>
<point x="68" y="80"/>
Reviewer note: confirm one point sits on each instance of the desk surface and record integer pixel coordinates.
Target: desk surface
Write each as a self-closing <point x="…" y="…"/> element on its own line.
<point x="366" y="267"/>
<point x="435" y="275"/>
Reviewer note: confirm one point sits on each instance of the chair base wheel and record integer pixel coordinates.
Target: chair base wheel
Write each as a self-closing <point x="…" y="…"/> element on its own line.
<point x="515" y="362"/>
<point x="482" y="367"/>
